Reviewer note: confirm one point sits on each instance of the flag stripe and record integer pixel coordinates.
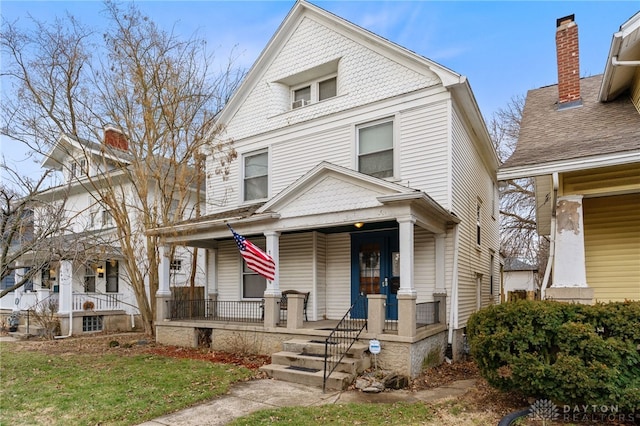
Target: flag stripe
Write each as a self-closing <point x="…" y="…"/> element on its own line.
<point x="257" y="260"/>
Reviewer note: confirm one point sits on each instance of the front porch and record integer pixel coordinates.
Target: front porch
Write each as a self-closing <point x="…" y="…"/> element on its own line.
<point x="262" y="327"/>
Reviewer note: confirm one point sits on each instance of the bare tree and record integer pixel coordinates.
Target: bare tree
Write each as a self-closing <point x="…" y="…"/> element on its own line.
<point x="518" y="233"/>
<point x="21" y="236"/>
<point x="159" y="91"/>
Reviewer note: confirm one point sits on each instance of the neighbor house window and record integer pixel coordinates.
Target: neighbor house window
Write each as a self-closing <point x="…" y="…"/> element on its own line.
<point x="175" y="265"/>
<point x="112" y="276"/>
<point x="107" y="218"/>
<point x="256" y="176"/>
<point x="314" y="91"/>
<point x="89" y="280"/>
<point x="92" y="323"/>
<point x="375" y="148"/>
<point x="8" y="281"/>
<point x="491" y="277"/>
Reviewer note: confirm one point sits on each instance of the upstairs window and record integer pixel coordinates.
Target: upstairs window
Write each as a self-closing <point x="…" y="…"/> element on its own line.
<point x="314" y="91"/>
<point x="107" y="218"/>
<point x="478" y="223"/>
<point x="256" y="176"/>
<point x="78" y="168"/>
<point x="375" y="148"/>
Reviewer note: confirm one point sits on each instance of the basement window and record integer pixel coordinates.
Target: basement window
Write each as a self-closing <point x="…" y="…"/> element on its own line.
<point x="92" y="323"/>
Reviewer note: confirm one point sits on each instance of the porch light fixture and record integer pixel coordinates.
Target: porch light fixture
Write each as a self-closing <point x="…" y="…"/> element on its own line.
<point x="358" y="225"/>
<point x="100" y="270"/>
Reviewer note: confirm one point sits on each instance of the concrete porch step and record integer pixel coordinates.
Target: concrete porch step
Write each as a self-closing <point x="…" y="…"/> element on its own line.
<point x="337" y="381"/>
<point x="317" y="347"/>
<point x="346" y="365"/>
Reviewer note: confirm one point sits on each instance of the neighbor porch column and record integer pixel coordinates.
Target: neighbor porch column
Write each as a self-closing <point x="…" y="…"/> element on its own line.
<point x="407" y="294"/>
<point x="65" y="286"/>
<point x="163" y="295"/>
<point x="272" y="294"/>
<point x="569" y="270"/>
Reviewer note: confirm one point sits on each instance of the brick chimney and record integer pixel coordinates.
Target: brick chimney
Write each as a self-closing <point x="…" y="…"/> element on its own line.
<point x="568" y="62"/>
<point x="114" y="138"/>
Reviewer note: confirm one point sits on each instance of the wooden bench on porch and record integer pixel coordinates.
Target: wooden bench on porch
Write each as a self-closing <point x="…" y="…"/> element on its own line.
<point x="283" y="301"/>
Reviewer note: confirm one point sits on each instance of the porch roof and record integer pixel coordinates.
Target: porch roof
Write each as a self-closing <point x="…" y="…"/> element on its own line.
<point x="328" y="198"/>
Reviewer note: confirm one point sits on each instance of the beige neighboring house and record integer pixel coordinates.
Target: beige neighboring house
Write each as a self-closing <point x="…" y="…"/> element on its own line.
<point x="580" y="141"/>
<point x="367" y="173"/>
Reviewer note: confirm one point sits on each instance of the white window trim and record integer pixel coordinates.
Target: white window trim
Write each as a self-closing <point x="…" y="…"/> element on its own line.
<point x="315" y="90"/>
<point x="396" y="134"/>
<point x="242" y="168"/>
<point x="479" y="214"/>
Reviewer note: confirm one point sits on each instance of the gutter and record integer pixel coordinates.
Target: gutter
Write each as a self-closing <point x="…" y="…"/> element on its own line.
<point x="552" y="242"/>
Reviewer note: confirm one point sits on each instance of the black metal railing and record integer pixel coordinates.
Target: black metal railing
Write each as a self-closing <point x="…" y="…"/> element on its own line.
<point x="216" y="310"/>
<point x="427" y="313"/>
<point x="391" y="324"/>
<point x="343" y="336"/>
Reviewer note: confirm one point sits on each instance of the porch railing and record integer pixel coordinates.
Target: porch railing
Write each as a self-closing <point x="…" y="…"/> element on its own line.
<point x="96" y="301"/>
<point x="216" y="310"/>
<point x="427" y="313"/>
<point x="343" y="336"/>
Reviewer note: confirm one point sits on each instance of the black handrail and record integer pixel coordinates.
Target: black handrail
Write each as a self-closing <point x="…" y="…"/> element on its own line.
<point x="343" y="336"/>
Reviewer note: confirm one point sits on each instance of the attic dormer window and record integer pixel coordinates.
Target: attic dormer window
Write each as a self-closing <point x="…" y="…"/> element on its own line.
<point x="314" y="91"/>
<point x="78" y="168"/>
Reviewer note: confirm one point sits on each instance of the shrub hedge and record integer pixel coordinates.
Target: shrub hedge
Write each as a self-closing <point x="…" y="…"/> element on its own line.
<point x="569" y="353"/>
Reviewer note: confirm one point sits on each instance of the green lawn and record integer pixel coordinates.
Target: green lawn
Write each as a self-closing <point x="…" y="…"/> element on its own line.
<point x="105" y="389"/>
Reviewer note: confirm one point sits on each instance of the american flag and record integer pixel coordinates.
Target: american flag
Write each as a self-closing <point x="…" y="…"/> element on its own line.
<point x="256" y="259"/>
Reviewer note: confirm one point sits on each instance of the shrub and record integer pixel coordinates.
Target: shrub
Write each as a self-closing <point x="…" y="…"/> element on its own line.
<point x="570" y="353"/>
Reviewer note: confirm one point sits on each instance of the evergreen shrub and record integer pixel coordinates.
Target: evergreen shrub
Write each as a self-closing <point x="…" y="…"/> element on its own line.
<point x="568" y="353"/>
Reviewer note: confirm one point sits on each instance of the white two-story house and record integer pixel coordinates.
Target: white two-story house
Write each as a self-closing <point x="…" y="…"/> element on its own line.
<point x="85" y="280"/>
<point x="365" y="171"/>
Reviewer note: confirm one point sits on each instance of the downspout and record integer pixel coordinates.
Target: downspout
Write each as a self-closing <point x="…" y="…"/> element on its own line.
<point x="552" y="242"/>
<point x="70" y="326"/>
<point x="453" y="304"/>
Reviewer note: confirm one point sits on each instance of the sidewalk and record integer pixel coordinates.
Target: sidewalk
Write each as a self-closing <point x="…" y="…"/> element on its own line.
<point x="247" y="397"/>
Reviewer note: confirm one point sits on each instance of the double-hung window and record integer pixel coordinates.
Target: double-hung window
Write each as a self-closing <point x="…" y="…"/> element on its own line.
<point x="256" y="176"/>
<point x="375" y="148"/>
<point x="315" y="91"/>
<point x="89" y="280"/>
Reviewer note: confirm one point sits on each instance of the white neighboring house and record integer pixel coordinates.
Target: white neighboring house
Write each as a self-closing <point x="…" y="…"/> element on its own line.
<point x="364" y="169"/>
<point x="86" y="279"/>
<point x="518" y="276"/>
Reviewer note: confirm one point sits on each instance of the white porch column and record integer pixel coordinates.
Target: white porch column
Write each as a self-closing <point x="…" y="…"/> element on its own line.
<point x="569" y="266"/>
<point x="164" y="283"/>
<point x="211" y="273"/>
<point x="406" y="255"/>
<point x="569" y="270"/>
<point x="440" y="240"/>
<point x="65" y="286"/>
<point x="273" y="250"/>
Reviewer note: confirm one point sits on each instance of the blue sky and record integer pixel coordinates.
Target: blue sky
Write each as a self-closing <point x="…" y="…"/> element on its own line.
<point x="505" y="48"/>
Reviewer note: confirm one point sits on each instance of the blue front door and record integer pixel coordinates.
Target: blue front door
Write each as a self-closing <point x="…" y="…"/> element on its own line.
<point x="375" y="268"/>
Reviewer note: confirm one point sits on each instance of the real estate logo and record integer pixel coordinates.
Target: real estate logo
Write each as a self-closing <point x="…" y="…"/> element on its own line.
<point x="544" y="409"/>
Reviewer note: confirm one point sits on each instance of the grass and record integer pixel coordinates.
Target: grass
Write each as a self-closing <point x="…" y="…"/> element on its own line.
<point x="105" y="389"/>
<point x="342" y="414"/>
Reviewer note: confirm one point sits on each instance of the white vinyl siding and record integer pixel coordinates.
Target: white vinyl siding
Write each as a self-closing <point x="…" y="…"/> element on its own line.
<point x="471" y="184"/>
<point x="229" y="271"/>
<point x="424" y="265"/>
<point x="424" y="150"/>
<point x="296" y="262"/>
<point x="612" y="246"/>
<point x="338" y="275"/>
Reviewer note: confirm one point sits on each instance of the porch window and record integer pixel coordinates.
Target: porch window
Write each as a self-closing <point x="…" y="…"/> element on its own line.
<point x="256" y="176"/>
<point x="253" y="285"/>
<point x="89" y="280"/>
<point x="375" y="148"/>
<point x="112" y="276"/>
<point x="92" y="323"/>
<point x="107" y="218"/>
<point x="8" y="281"/>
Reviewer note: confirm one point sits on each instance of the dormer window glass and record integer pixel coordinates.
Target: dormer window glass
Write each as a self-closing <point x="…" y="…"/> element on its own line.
<point x="311" y="92"/>
<point x="327" y="88"/>
<point x="301" y="97"/>
<point x="78" y="168"/>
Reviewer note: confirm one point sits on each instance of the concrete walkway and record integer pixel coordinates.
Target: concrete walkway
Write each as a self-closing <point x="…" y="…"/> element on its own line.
<point x="246" y="397"/>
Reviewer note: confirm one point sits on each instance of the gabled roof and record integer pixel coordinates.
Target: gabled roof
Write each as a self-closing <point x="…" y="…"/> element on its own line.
<point x="625" y="46"/>
<point x="549" y="136"/>
<point x="67" y="144"/>
<point x="515" y="264"/>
